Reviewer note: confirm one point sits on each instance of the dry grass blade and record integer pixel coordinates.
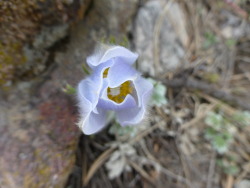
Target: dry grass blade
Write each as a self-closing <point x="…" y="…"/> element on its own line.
<point x="146" y="132"/>
<point x="244" y="173"/>
<point x="209" y="89"/>
<point x="105" y="155"/>
<point x="211" y="170"/>
<point x="237" y="9"/>
<point x="97" y="164"/>
<point x="229" y="181"/>
<point x="177" y="177"/>
<point x="140" y="170"/>
<point x="167" y="172"/>
<point x="198" y="117"/>
<point x="157" y="31"/>
<point x="228" y="109"/>
<point x="9" y="180"/>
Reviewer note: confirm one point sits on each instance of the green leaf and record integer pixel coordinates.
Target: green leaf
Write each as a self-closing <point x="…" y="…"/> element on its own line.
<point x="230" y="42"/>
<point x="117" y="129"/>
<point x="112" y="40"/>
<point x="242" y="118"/>
<point x="211" y="77"/>
<point x="210" y="39"/>
<point x="220" y="163"/>
<point x="232" y="170"/>
<point x="69" y="90"/>
<point x="210" y="133"/>
<point x="159" y="93"/>
<point x="214" y="120"/>
<point x="85" y="69"/>
<point x="220" y="144"/>
<point x="227" y="136"/>
<point x="124" y="42"/>
<point x="227" y="166"/>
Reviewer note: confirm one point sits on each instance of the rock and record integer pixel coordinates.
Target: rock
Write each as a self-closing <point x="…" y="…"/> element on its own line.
<point x="160" y="37"/>
<point x="118" y="15"/>
<point x="38" y="132"/>
<point x="38" y="141"/>
<point x="50" y="35"/>
<point x="232" y="26"/>
<point x="243" y="184"/>
<point x="37" y="123"/>
<point x="33" y="25"/>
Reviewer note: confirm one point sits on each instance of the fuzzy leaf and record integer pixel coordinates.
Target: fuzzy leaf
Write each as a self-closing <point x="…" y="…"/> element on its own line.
<point x="214" y="120"/>
<point x="220" y="144"/>
<point x="159" y="93"/>
<point x="210" y="133"/>
<point x="117" y="129"/>
<point x="117" y="163"/>
<point x="242" y="118"/>
<point x="232" y="170"/>
<point x="69" y="89"/>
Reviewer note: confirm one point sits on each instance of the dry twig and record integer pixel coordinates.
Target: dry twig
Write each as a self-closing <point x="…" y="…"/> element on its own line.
<point x="141" y="171"/>
<point x="193" y="84"/>
<point x="97" y="164"/>
<point x="211" y="170"/>
<point x="105" y="155"/>
<point x="237" y="8"/>
<point x="157" y="30"/>
<point x="165" y="171"/>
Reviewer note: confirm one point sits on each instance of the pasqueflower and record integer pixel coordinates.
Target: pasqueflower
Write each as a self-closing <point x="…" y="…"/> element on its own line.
<point x="114" y="85"/>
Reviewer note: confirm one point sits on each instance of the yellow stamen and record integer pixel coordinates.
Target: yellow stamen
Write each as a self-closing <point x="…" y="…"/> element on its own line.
<point x="118" y="94"/>
<point x="105" y="73"/>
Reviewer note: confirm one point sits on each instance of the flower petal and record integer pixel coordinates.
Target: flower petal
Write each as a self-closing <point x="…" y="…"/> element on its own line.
<point x="121" y="72"/>
<point x="93" y="123"/>
<point x="143" y="88"/>
<point x="134" y="115"/>
<point x="88" y="94"/>
<point x="90" y="89"/>
<point x="104" y="55"/>
<point x="106" y="103"/>
<point x="98" y="71"/>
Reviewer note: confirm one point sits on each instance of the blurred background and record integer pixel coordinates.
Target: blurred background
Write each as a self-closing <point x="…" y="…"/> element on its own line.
<point x="197" y="132"/>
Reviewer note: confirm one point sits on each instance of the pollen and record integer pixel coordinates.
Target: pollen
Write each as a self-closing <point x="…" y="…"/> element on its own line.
<point x="118" y="94"/>
<point x="105" y="73"/>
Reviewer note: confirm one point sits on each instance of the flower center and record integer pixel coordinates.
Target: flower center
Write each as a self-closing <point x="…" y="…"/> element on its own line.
<point x="105" y="73"/>
<point x="118" y="94"/>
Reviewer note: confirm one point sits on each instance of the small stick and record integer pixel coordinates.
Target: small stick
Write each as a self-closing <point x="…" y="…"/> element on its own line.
<point x="237" y="8"/>
<point x="193" y="84"/>
<point x="211" y="171"/>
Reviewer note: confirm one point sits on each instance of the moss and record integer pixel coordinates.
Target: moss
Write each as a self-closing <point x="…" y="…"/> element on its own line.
<point x="46" y="167"/>
<point x="10" y="57"/>
<point x="20" y="23"/>
<point x="211" y="77"/>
